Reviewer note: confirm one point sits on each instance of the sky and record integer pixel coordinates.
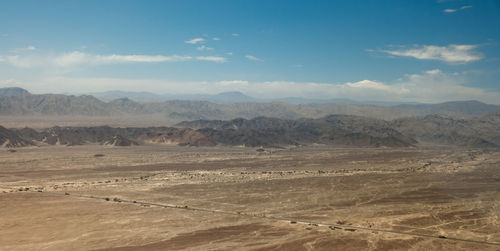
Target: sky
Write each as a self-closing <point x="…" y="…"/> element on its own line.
<point x="397" y="51"/>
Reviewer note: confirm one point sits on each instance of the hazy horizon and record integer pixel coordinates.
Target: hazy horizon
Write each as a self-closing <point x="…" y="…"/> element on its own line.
<point x="146" y="96"/>
<point x="425" y="51"/>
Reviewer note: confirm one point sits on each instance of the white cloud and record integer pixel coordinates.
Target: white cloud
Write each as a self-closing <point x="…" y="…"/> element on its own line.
<point x="71" y="58"/>
<point x="216" y="59"/>
<point x="20" y="62"/>
<point x="27" y="48"/>
<point x="229" y="53"/>
<point x="455" y="10"/>
<point x="140" y="58"/>
<point x="437" y="86"/>
<point x="233" y="82"/>
<point x="253" y="58"/>
<point x="433" y="72"/>
<point x="451" y="54"/>
<point x="369" y="84"/>
<point x="195" y="40"/>
<point x="235" y="35"/>
<point x="216" y="39"/>
<point x="204" y="48"/>
<point x="212" y="58"/>
<point x="79" y="58"/>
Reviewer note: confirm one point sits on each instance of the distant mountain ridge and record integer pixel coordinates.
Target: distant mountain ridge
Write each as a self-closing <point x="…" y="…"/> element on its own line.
<point x="220" y="98"/>
<point x="470" y="107"/>
<point x="19" y="102"/>
<point x="230" y="98"/>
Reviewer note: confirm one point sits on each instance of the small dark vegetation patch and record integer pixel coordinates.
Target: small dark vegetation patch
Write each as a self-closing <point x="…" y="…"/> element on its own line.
<point x="97" y="155"/>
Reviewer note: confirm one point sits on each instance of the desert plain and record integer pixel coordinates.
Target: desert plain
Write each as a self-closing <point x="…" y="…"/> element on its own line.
<point x="162" y="197"/>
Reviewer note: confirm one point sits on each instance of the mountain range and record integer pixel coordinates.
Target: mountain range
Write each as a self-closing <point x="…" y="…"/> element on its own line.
<point x="480" y="131"/>
<point x="229" y="98"/>
<point x="20" y="102"/>
<point x="338" y="130"/>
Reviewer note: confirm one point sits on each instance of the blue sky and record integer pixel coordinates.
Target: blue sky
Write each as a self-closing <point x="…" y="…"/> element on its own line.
<point x="424" y="51"/>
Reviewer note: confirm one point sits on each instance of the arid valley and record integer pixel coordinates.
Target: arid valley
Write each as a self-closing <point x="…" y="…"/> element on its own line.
<point x="156" y="197"/>
<point x="252" y="125"/>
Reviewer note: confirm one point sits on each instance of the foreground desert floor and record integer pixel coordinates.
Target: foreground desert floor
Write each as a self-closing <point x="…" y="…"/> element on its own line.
<point x="170" y="198"/>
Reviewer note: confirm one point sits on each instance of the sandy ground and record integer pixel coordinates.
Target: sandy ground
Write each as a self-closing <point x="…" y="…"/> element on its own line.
<point x="304" y="198"/>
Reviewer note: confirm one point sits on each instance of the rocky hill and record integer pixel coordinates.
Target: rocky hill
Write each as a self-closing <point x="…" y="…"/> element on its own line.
<point x="481" y="131"/>
<point x="339" y="130"/>
<point x="9" y="138"/>
<point x="106" y="135"/>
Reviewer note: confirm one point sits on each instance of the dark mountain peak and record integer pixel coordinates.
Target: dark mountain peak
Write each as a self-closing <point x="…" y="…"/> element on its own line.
<point x="233" y="94"/>
<point x="124" y="100"/>
<point x="13" y="91"/>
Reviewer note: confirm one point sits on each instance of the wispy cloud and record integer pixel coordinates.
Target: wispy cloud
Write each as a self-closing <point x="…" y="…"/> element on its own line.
<point x="19" y="62"/>
<point x="229" y="53"/>
<point x="233" y="82"/>
<point x="27" y="48"/>
<point x="216" y="39"/>
<point x="216" y="59"/>
<point x="204" y="48"/>
<point x="140" y="58"/>
<point x="81" y="58"/>
<point x="253" y="58"/>
<point x="455" y="10"/>
<point x="452" y="53"/>
<point x="369" y="84"/>
<point x="195" y="40"/>
<point x="77" y="57"/>
<point x="235" y="35"/>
